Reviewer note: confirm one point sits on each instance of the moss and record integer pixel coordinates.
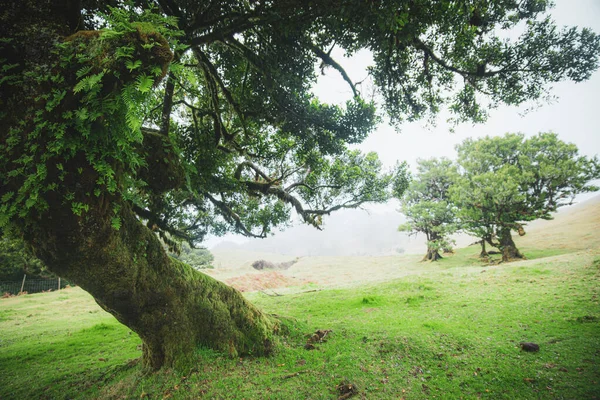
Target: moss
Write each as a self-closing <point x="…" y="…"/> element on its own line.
<point x="160" y="53"/>
<point x="84" y="36"/>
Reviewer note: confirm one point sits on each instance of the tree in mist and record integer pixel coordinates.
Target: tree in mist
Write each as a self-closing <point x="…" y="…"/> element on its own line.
<point x="509" y="180"/>
<point x="427" y="205"/>
<point x="196" y="258"/>
<point x="126" y="122"/>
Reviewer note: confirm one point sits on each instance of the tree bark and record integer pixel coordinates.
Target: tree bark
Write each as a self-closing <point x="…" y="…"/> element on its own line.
<point x="507" y="245"/>
<point x="432" y="255"/>
<point x="172" y="307"/>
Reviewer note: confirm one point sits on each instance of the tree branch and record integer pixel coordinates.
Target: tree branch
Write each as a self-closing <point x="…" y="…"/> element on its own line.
<point x="165" y="120"/>
<point x="154" y="222"/>
<point x="203" y="58"/>
<point x="254" y="167"/>
<point x="480" y="73"/>
<point x="330" y="61"/>
<point x="232" y="217"/>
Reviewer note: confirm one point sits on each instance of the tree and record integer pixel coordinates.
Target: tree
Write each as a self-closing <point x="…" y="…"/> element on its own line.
<point x="427" y="205"/>
<point x="509" y="180"/>
<point x="16" y="260"/>
<point x="195" y="258"/>
<point x="124" y="121"/>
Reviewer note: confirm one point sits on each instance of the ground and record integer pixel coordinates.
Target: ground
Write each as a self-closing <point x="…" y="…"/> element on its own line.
<point x="399" y="329"/>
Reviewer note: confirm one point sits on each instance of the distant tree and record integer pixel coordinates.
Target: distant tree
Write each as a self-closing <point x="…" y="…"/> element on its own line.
<point x="16" y="260"/>
<point x="509" y="180"/>
<point x="197" y="258"/>
<point x="427" y="205"/>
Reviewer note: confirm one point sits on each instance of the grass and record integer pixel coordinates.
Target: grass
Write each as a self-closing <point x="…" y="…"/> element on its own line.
<point x="451" y="332"/>
<point x="59" y="344"/>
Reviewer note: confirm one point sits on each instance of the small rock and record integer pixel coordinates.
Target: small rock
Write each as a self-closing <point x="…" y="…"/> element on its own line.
<point x="528" y="346"/>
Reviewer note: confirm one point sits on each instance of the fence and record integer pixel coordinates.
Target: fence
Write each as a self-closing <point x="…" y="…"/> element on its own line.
<point x="32" y="285"/>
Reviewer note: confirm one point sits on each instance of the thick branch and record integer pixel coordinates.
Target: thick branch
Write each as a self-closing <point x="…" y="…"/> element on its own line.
<point x="330" y="61"/>
<point x="231" y="216"/>
<point x="167" y="105"/>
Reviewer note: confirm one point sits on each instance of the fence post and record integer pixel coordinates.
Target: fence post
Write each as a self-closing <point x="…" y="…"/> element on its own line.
<point x="59" y="283"/>
<point x="23" y="284"/>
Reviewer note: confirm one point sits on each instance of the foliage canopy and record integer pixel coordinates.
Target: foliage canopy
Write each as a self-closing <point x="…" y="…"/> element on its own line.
<point x="234" y="138"/>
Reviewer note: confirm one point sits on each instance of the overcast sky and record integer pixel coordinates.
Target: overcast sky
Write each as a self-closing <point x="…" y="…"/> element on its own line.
<point x="574" y="116"/>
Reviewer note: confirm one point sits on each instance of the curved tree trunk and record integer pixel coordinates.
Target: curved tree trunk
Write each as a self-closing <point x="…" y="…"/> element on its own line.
<point x="507" y="245"/>
<point x="173" y="308"/>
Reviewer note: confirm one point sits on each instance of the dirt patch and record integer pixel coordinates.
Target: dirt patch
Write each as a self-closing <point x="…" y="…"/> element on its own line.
<point x="263" y="280"/>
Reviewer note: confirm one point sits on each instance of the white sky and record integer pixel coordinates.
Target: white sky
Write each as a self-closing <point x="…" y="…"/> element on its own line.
<point x="575" y="116"/>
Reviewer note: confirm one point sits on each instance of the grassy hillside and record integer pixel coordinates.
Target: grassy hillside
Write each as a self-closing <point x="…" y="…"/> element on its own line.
<point x="419" y="331"/>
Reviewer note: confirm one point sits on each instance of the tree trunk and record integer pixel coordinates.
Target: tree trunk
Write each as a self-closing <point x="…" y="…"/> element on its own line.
<point x="433" y="253"/>
<point x="484" y="253"/>
<point x="507" y="246"/>
<point x="172" y="307"/>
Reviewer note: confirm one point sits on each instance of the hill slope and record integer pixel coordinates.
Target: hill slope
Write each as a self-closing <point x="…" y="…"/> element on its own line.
<point x="574" y="227"/>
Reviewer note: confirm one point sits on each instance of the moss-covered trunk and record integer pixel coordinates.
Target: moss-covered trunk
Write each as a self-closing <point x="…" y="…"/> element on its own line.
<point x="173" y="308"/>
<point x="507" y="245"/>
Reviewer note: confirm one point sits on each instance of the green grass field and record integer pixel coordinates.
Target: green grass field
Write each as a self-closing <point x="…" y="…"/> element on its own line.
<point x="451" y="332"/>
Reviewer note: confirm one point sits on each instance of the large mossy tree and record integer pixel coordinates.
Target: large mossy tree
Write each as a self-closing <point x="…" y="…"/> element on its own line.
<point x="123" y="122"/>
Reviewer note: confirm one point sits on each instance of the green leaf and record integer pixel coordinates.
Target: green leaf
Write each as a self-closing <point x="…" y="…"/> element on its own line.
<point x="115" y="222"/>
<point x="131" y="65"/>
<point x="144" y="83"/>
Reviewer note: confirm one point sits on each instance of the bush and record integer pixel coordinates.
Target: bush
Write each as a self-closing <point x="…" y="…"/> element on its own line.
<point x="262" y="264"/>
<point x="195" y="258"/>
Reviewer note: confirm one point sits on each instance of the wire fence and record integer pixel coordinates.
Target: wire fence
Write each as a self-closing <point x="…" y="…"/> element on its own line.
<point x="32" y="285"/>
